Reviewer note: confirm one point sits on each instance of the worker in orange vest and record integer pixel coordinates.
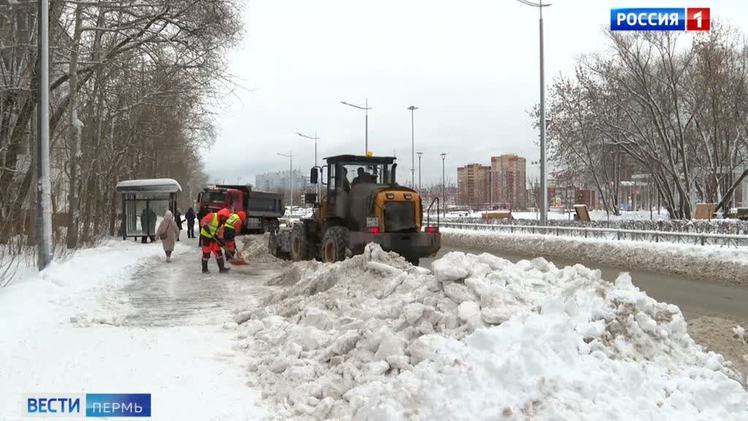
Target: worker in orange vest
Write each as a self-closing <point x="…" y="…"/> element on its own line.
<point x="232" y="227"/>
<point x="210" y="240"/>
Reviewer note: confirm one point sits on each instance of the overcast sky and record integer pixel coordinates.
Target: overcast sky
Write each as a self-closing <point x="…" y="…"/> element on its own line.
<point x="471" y="66"/>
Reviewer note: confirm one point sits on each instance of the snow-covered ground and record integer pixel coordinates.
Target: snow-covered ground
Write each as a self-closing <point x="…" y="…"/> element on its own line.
<point x="717" y="263"/>
<point x="102" y="322"/>
<point x="298" y="212"/>
<point x="560" y="215"/>
<point x="370" y="338"/>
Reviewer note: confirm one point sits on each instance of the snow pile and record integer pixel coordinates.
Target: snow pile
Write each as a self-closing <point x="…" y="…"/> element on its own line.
<point x="739" y="332"/>
<point x="255" y="248"/>
<point x="479" y="338"/>
<point x="728" y="265"/>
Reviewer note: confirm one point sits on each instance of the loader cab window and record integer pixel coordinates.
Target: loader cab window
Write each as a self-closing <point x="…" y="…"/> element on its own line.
<point x="366" y="173"/>
<point x="343" y="175"/>
<point x="332" y="180"/>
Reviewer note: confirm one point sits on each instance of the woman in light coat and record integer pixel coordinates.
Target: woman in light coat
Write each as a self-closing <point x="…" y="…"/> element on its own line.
<point x="167" y="232"/>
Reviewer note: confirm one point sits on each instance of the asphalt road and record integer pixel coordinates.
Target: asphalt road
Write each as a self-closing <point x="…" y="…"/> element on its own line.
<point x="695" y="297"/>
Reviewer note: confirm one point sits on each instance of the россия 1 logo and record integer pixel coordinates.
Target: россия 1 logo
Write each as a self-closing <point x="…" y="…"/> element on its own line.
<point x="660" y="19"/>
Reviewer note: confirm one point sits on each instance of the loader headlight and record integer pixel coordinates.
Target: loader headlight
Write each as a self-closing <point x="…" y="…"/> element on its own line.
<point x="389" y="196"/>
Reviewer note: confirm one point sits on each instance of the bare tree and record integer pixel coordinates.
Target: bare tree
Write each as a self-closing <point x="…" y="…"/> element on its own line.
<point x="676" y="112"/>
<point x="131" y="86"/>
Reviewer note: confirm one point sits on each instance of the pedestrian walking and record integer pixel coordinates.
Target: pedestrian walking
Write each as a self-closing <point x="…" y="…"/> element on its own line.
<point x="178" y="220"/>
<point x="167" y="232"/>
<point x="210" y="240"/>
<point x="190" y="218"/>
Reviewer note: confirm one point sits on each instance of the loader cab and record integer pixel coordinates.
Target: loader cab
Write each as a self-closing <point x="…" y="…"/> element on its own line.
<point x="343" y="173"/>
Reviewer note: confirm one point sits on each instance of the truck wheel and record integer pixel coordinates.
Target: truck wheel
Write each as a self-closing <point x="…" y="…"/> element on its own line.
<point x="299" y="244"/>
<point x="334" y="243"/>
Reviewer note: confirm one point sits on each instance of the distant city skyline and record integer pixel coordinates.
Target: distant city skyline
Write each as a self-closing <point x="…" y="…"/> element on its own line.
<point x="502" y="183"/>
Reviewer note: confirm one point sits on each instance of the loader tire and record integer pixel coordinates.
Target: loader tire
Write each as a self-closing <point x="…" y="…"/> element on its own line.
<point x="299" y="244"/>
<point x="273" y="244"/>
<point x="334" y="244"/>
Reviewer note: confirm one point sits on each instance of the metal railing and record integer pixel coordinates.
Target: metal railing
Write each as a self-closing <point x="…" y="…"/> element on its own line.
<point x="438" y="211"/>
<point x="703" y="239"/>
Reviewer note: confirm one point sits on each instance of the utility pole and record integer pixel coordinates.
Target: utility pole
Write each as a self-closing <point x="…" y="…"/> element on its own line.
<point x="419" y="170"/>
<point x="412" y="109"/>
<point x="366" y="109"/>
<point x="543" y="169"/>
<point x="290" y="174"/>
<point x="366" y="127"/>
<point x="315" y="139"/>
<point x="444" y="185"/>
<point x="43" y="188"/>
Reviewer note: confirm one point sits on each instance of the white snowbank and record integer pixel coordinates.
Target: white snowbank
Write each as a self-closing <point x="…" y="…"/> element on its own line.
<point x="62" y="331"/>
<point x="374" y="338"/>
<point x="718" y="263"/>
<point x="58" y="292"/>
<point x="562" y="215"/>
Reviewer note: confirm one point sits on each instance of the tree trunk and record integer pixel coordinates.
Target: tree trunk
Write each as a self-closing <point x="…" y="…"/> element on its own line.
<point x="76" y="127"/>
<point x="729" y="191"/>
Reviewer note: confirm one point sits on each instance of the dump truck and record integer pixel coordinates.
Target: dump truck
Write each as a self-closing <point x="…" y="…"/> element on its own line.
<point x="362" y="203"/>
<point x="263" y="208"/>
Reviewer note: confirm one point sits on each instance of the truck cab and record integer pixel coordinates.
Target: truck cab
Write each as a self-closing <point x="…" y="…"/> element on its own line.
<point x="262" y="208"/>
<point x="213" y="199"/>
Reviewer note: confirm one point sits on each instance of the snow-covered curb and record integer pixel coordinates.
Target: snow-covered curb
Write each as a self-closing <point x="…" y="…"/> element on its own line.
<point x="374" y="338"/>
<point x="714" y="263"/>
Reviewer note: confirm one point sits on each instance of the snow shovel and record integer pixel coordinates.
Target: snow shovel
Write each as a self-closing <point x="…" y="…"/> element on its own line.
<point x="237" y="259"/>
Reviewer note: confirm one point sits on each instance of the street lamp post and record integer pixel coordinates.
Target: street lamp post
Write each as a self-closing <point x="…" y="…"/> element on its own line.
<point x="419" y="170"/>
<point x="290" y="173"/>
<point x="412" y="109"/>
<point x="366" y="109"/>
<point x="315" y="139"/>
<point x="444" y="188"/>
<point x="536" y="194"/>
<point x="543" y="171"/>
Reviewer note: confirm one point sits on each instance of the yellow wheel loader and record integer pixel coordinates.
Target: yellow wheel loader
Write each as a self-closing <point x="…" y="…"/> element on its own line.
<point x="362" y="203"/>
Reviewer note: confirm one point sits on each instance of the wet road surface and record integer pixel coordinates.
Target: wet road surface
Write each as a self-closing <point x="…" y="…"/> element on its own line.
<point x="695" y="297"/>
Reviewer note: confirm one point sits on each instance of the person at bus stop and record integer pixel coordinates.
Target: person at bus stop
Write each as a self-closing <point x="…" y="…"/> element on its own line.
<point x="190" y="218"/>
<point x="148" y="224"/>
<point x="178" y="220"/>
<point x="210" y="240"/>
<point x="232" y="226"/>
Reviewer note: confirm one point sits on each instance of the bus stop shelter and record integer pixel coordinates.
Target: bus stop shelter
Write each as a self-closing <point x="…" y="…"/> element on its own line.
<point x="144" y="201"/>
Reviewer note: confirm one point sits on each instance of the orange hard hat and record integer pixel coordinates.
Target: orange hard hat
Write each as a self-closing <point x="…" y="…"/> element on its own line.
<point x="224" y="213"/>
<point x="242" y="215"/>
